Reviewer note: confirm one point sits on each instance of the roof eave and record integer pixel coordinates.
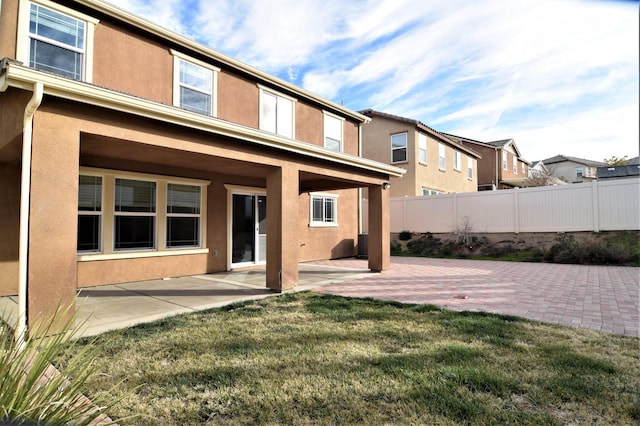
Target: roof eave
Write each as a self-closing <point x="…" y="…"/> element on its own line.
<point x="22" y="77"/>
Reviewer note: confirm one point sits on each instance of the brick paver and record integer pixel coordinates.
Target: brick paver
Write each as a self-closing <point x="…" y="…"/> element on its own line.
<point x="604" y="298"/>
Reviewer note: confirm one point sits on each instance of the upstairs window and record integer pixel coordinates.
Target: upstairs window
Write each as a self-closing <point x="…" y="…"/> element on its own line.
<point x="469" y="168"/>
<point x="56" y="39"/>
<point x="442" y="157"/>
<point x="57" y="42"/>
<point x="515" y="165"/>
<point x="399" y="148"/>
<point x="504" y="160"/>
<point x="457" y="160"/>
<point x="333" y="134"/>
<point x="422" y="148"/>
<point x="324" y="210"/>
<point x="277" y="113"/>
<point x="194" y="85"/>
<point x="579" y="171"/>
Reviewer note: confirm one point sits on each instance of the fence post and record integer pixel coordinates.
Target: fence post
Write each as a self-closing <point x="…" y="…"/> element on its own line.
<point x="595" y="205"/>
<point x="454" y="200"/>
<point x="404" y="213"/>
<point x="516" y="210"/>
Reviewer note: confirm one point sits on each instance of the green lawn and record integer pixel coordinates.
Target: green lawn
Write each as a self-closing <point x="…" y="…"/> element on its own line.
<point x="307" y="358"/>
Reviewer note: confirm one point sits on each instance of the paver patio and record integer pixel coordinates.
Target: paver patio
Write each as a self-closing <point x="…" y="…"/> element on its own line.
<point x="604" y="298"/>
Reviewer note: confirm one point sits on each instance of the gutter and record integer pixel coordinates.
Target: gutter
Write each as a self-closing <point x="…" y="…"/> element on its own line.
<point x="25" y="195"/>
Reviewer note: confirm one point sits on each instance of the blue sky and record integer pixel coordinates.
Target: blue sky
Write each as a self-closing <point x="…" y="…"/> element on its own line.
<point x="557" y="76"/>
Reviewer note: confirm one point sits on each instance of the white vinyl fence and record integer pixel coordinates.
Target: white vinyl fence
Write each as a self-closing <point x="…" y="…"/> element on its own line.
<point x="608" y="205"/>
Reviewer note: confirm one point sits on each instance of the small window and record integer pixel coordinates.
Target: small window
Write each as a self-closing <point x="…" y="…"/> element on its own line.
<point x="135" y="211"/>
<point x="469" y="168"/>
<point x="333" y="133"/>
<point x="56" y="42"/>
<point x="515" y="165"/>
<point x="183" y="215"/>
<point x="579" y="171"/>
<point x="442" y="157"/>
<point x="427" y="191"/>
<point x="457" y="160"/>
<point x="196" y="88"/>
<point x="399" y="148"/>
<point x="276" y="114"/>
<point x="324" y="210"/>
<point x="504" y="160"/>
<point x="422" y="148"/>
<point x="89" y="213"/>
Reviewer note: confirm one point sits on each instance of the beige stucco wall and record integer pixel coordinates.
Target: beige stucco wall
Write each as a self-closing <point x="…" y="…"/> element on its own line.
<point x="8" y="28"/>
<point x="9" y="227"/>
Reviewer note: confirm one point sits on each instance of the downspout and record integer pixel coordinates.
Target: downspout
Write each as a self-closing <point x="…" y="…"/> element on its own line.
<point x="360" y="212"/>
<point x="25" y="194"/>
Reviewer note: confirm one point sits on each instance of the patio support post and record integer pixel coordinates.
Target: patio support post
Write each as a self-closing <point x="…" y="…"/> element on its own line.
<point x="282" y="228"/>
<point x="53" y="218"/>
<point x="379" y="236"/>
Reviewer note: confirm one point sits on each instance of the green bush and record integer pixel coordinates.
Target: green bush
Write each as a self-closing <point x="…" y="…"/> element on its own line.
<point x="424" y="246"/>
<point x="396" y="248"/>
<point x="31" y="392"/>
<point x="621" y="249"/>
<point x="405" y="236"/>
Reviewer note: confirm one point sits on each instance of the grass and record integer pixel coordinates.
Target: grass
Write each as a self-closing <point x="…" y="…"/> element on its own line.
<point x="307" y="358"/>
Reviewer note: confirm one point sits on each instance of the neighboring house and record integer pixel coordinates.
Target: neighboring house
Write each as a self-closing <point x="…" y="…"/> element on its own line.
<point x="501" y="165"/>
<point x="619" y="172"/>
<point x="147" y="155"/>
<point x="435" y="164"/>
<point x="573" y="169"/>
<point x="539" y="175"/>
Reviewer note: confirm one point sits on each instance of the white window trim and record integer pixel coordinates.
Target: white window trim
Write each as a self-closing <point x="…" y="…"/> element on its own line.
<point x="272" y="92"/>
<point x="326" y="114"/>
<point x="426" y="150"/>
<point x="23" y="49"/>
<point x="457" y="161"/>
<point x="317" y="224"/>
<point x="406" y="147"/>
<point x="442" y="154"/>
<point x="515" y="165"/>
<point x="108" y="216"/>
<point x="505" y="160"/>
<point x="469" y="168"/>
<point x="430" y="192"/>
<point x="177" y="57"/>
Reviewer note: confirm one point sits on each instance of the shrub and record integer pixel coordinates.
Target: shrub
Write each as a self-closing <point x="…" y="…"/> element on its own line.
<point x="396" y="248"/>
<point x="32" y="392"/>
<point x="426" y="245"/>
<point x="405" y="236"/>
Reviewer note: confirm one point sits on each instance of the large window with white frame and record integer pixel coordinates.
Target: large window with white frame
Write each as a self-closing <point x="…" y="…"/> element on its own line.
<point x="442" y="159"/>
<point x="399" y="148"/>
<point x="324" y="210"/>
<point x="194" y="84"/>
<point x="333" y="132"/>
<point x="277" y="113"/>
<point x="56" y="39"/>
<point x="422" y="148"/>
<point x="144" y="214"/>
<point x="134" y="214"/>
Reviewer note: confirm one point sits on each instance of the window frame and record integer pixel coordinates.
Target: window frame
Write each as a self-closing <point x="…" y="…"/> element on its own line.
<point x="23" y="47"/>
<point x="178" y="59"/>
<point x="427" y="192"/>
<point x="442" y="156"/>
<point x="515" y="165"/>
<point x="169" y="215"/>
<point x="457" y="160"/>
<point x="422" y="148"/>
<point x="108" y="250"/>
<point x="326" y="118"/>
<point x="580" y="171"/>
<point x="131" y="214"/>
<point x="325" y="197"/>
<point x="280" y="97"/>
<point x="98" y="213"/>
<point x="405" y="148"/>
<point x="505" y="162"/>
<point x="469" y="167"/>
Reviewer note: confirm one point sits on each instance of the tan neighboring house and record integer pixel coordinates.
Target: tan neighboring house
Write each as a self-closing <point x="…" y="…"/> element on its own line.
<point x="435" y="164"/>
<point x="501" y="166"/>
<point x="129" y="152"/>
<point x="573" y="169"/>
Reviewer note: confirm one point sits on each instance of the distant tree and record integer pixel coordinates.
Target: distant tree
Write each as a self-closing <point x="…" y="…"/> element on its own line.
<point x="616" y="161"/>
<point x="543" y="177"/>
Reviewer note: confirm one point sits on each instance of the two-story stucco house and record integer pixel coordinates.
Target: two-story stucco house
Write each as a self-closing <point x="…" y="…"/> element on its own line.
<point x="435" y="164"/>
<point x="501" y="165"/>
<point x="129" y="152"/>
